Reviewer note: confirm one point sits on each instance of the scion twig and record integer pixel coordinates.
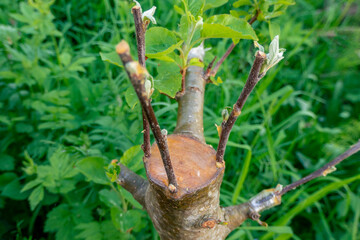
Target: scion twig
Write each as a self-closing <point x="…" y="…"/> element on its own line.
<point x="252" y="80"/>
<point x="222" y="59"/>
<point x="327" y="168"/>
<point x="269" y="198"/>
<point x="140" y="39"/>
<point x="137" y="75"/>
<point x="254" y="18"/>
<point x="208" y="69"/>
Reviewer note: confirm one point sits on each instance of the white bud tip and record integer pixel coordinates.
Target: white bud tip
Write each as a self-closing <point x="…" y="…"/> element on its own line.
<point x="164" y="132"/>
<point x="172" y="188"/>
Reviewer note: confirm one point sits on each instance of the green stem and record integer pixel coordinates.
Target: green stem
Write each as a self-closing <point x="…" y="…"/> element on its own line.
<point x="123" y="202"/>
<point x="56" y="50"/>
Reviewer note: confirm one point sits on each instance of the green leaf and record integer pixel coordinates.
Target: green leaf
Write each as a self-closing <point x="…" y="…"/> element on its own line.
<point x="274" y="229"/>
<point x="12" y="190"/>
<point x="111" y="57"/>
<point x="282" y="2"/>
<point x="125" y="221"/>
<point x="89" y="231"/>
<point x="196" y="7"/>
<point x="179" y="10"/>
<point x="104" y="230"/>
<point x="7" y="162"/>
<point x="116" y="217"/>
<point x="64" y="186"/>
<point x="31" y="184"/>
<point x="36" y="196"/>
<point x="239" y="14"/>
<point x="6" y="178"/>
<point x="60" y="162"/>
<point x="132" y="156"/>
<point x="168" y="80"/>
<point x="110" y="198"/>
<point x="161" y="57"/>
<point x="131" y="97"/>
<point x="93" y="169"/>
<point x="130" y="198"/>
<point x="63" y="219"/>
<point x="65" y="58"/>
<point x="77" y="64"/>
<point x="24" y="128"/>
<point x="8" y="34"/>
<point x="240" y="3"/>
<point x="84" y="60"/>
<point x="160" y="41"/>
<point x="227" y="26"/>
<point x="216" y="81"/>
<point x="8" y="75"/>
<point x="193" y="8"/>
<point x="214" y="4"/>
<point x="196" y="62"/>
<point x="184" y="27"/>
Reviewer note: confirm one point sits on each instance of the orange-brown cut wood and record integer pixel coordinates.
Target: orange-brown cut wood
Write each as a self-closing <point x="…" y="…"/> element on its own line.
<point x="194" y="164"/>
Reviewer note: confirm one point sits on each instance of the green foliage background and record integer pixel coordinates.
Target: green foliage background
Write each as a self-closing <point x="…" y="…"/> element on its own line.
<point x="64" y="117"/>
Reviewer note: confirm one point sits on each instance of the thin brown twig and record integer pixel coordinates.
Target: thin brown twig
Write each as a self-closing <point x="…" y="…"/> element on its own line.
<point x="140" y="39"/>
<point x="222" y="59"/>
<point x="137" y="75"/>
<point x="208" y="69"/>
<point x="254" y="18"/>
<point x="227" y="53"/>
<point x="327" y="168"/>
<point x="252" y="80"/>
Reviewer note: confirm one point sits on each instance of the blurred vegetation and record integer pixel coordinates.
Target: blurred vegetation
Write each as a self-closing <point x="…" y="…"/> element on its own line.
<point x="64" y="116"/>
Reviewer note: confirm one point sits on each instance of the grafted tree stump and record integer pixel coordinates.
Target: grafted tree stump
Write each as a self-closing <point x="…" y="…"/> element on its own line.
<point x="193" y="212"/>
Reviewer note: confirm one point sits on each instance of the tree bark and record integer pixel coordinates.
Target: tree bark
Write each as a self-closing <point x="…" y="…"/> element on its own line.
<point x="191" y="103"/>
<point x="194" y="211"/>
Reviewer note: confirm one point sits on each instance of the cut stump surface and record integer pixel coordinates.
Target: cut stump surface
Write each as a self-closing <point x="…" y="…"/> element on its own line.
<point x="194" y="165"/>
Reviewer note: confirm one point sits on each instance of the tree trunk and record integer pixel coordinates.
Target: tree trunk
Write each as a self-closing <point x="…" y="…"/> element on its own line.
<point x="194" y="211"/>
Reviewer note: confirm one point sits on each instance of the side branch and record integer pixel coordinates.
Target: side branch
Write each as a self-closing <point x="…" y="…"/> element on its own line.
<point x="133" y="183"/>
<point x="252" y="80"/>
<point x="236" y="215"/>
<point x="327" y="168"/>
<point x="218" y="64"/>
<point x="269" y="198"/>
<point x="140" y="39"/>
<point x="137" y="75"/>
